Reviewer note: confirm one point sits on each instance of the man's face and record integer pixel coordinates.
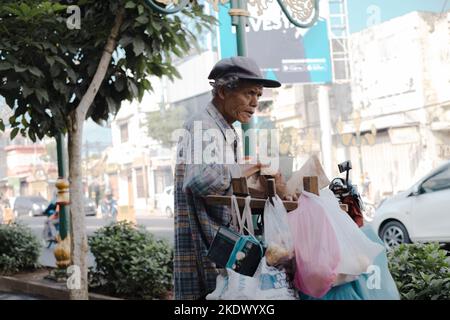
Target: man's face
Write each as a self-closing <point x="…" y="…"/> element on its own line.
<point x="240" y="104"/>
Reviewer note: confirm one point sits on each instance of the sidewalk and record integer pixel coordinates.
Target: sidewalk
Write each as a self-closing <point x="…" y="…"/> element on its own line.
<point x="34" y="286"/>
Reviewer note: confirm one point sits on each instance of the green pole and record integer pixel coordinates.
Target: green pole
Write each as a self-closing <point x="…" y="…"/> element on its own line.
<point x="240" y="22"/>
<point x="63" y="225"/>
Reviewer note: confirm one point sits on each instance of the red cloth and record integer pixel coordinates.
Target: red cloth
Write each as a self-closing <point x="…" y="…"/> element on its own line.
<point x="353" y="210"/>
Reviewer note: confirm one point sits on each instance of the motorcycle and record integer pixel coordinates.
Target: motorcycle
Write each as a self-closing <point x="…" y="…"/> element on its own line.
<point x="50" y="234"/>
<point x="369" y="208"/>
<point x="347" y="193"/>
<point x="109" y="208"/>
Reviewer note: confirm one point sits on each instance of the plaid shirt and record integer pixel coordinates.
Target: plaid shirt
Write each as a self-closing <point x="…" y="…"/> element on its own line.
<point x="194" y="274"/>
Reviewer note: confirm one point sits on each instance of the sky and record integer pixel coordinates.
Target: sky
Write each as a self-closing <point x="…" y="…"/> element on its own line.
<point x="359" y="11"/>
<point x="95" y="134"/>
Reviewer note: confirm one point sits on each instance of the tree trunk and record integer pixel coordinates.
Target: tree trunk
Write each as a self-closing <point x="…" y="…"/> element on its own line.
<point x="79" y="246"/>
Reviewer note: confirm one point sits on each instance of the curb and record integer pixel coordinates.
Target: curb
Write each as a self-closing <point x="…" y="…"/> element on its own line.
<point x="51" y="292"/>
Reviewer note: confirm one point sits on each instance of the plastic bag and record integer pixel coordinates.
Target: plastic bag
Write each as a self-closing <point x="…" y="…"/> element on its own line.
<point x="273" y="283"/>
<point x="234" y="250"/>
<point x="330" y="249"/>
<point x="317" y="253"/>
<point x="242" y="221"/>
<point x="377" y="284"/>
<point x="357" y="251"/>
<point x="268" y="283"/>
<point x="277" y="234"/>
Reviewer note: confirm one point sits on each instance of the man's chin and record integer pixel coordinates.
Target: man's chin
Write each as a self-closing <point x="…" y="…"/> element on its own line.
<point x="245" y="120"/>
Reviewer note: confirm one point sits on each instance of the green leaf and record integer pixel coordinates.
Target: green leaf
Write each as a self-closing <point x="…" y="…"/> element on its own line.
<point x="32" y="135"/>
<point x="138" y="46"/>
<point x="50" y="60"/>
<point x="157" y="26"/>
<point x="26" y="91"/>
<point x="133" y="88"/>
<point x="14" y="133"/>
<point x="19" y="68"/>
<point x="72" y="75"/>
<point x="119" y="84"/>
<point x="146" y="84"/>
<point x="2" y="125"/>
<point x="5" y="66"/>
<point x="130" y="5"/>
<point x="42" y="95"/>
<point x="55" y="71"/>
<point x="143" y="19"/>
<point x="61" y="61"/>
<point x="140" y="9"/>
<point x="35" y="71"/>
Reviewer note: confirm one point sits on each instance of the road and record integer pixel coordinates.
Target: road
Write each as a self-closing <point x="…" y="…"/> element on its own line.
<point x="161" y="227"/>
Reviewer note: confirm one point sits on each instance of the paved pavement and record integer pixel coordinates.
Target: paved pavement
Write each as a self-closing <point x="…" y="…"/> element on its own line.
<point x="18" y="296"/>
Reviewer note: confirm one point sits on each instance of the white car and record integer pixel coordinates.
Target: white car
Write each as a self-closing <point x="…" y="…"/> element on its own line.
<point x="165" y="201"/>
<point x="419" y="214"/>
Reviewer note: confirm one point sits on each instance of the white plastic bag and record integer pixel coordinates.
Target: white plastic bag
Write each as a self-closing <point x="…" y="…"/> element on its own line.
<point x="268" y="283"/>
<point x="242" y="221"/>
<point x="234" y="286"/>
<point x="357" y="251"/>
<point x="273" y="284"/>
<point x="277" y="234"/>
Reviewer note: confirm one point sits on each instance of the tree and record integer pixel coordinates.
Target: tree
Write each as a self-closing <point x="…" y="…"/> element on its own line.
<point x="161" y="124"/>
<point x="60" y="65"/>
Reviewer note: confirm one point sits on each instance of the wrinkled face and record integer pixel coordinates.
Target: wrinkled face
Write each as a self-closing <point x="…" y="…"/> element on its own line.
<point x="240" y="104"/>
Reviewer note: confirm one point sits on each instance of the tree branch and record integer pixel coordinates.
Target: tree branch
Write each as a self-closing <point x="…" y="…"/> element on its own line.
<point x="100" y="73"/>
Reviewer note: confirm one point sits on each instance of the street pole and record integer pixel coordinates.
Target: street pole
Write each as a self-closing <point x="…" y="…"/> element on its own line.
<point x="238" y="12"/>
<point x="62" y="249"/>
<point x="63" y="221"/>
<point x="239" y="18"/>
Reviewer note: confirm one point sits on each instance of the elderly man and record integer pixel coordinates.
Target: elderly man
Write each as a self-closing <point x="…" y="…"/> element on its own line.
<point x="207" y="159"/>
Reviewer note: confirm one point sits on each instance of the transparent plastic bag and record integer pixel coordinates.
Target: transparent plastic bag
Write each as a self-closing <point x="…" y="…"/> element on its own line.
<point x="277" y="234"/>
<point x="357" y="251"/>
<point x="242" y="221"/>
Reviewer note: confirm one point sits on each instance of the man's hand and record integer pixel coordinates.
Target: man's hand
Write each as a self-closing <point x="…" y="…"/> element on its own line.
<point x="248" y="170"/>
<point x="280" y="184"/>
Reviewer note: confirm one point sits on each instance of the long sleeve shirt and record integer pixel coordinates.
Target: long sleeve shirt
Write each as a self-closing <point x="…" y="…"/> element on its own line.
<point x="207" y="157"/>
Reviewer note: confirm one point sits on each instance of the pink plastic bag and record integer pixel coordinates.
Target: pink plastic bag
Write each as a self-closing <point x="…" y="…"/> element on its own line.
<point x="316" y="247"/>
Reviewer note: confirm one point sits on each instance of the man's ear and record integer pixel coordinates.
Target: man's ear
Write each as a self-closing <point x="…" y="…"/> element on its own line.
<point x="221" y="92"/>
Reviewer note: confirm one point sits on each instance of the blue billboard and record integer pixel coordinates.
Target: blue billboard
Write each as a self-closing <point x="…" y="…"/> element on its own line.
<point x="283" y="52"/>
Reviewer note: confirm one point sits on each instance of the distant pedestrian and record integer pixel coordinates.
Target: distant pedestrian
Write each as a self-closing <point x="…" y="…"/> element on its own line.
<point x="6" y="213"/>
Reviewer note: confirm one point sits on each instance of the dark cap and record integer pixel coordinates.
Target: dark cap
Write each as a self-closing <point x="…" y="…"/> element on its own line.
<point x="242" y="67"/>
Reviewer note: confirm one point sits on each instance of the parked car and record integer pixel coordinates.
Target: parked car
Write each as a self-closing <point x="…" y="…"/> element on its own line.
<point x="30" y="205"/>
<point x="165" y="201"/>
<point x="419" y="214"/>
<point x="90" y="208"/>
